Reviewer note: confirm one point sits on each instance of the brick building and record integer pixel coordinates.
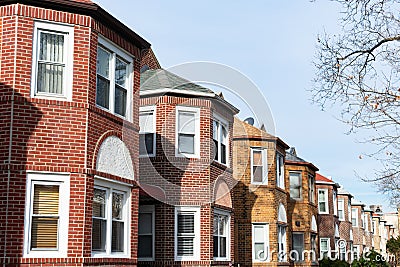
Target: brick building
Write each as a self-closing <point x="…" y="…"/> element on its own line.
<point x="185" y="213"/>
<point x="345" y="225"/>
<point x="358" y="223"/>
<point x="328" y="220"/>
<point x="260" y="198"/>
<point x="302" y="210"/>
<point x="69" y="106"/>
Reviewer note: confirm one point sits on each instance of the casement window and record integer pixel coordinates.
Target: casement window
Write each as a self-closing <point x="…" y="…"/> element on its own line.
<point x="325" y="247"/>
<point x="187" y="233"/>
<point x="323" y="207"/>
<point x="313" y="247"/>
<point x="114" y="79"/>
<point x="334" y="202"/>
<point x="298" y="247"/>
<point x="46" y="216"/>
<point x="259" y="172"/>
<point x="52" y="66"/>
<point x="110" y="220"/>
<point x="188" y="132"/>
<point x="220" y="138"/>
<point x="354" y="217"/>
<point x="341" y="209"/>
<point x="311" y="189"/>
<point x="280" y="171"/>
<point x="260" y="242"/>
<point x="282" y="255"/>
<point x="295" y="185"/>
<point x="147" y="132"/>
<point x="221" y="242"/>
<point x="146" y="233"/>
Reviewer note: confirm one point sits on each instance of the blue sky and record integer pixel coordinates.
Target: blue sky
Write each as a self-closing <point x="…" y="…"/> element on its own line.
<point x="273" y="43"/>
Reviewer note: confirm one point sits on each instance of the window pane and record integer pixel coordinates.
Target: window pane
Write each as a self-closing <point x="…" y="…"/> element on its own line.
<point x="117" y="204"/>
<point x="257" y="174"/>
<point x="50" y="78"/>
<point x="145" y="246"/>
<point x="103" y="92"/>
<point x="120" y="100"/>
<point x="185" y="246"/>
<point x="120" y="72"/>
<point x="259" y="234"/>
<point x="103" y="62"/>
<point x="322" y="207"/>
<point x="145" y="223"/>
<point x="215" y="149"/>
<point x="324" y="245"/>
<point x="185" y="223"/>
<point x="51" y="47"/>
<point x="99" y="235"/>
<point x="215" y="130"/>
<point x="44" y="233"/>
<point x="117" y="237"/>
<point x="99" y="203"/>
<point x="222" y="246"/>
<point x="45" y="199"/>
<point x="295" y="192"/>
<point x="257" y="157"/>
<point x="222" y="225"/>
<point x="186" y="122"/>
<point x="215" y="224"/>
<point x="215" y="246"/>
<point x="321" y="195"/>
<point x="146" y="122"/>
<point x="146" y="143"/>
<point x="186" y="143"/>
<point x="259" y="251"/>
<point x="223" y="153"/>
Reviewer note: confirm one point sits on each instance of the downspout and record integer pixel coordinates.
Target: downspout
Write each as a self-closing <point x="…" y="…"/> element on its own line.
<point x="10" y="136"/>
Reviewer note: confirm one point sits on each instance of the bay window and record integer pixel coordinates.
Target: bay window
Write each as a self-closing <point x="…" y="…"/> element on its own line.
<point x="221" y="230"/>
<point x="323" y="201"/>
<point x="259" y="166"/>
<point x="280" y="171"/>
<point x="325" y="247"/>
<point x="295" y="185"/>
<point x="147" y="132"/>
<point x="341" y="209"/>
<point x="220" y="138"/>
<point x="298" y="247"/>
<point x="188" y="131"/>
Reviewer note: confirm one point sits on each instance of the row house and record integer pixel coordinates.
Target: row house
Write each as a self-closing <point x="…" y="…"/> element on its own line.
<point x="69" y="79"/>
<point x="361" y="222"/>
<point x="302" y="210"/>
<point x="185" y="172"/>
<point x="345" y="224"/>
<point x="260" y="198"/>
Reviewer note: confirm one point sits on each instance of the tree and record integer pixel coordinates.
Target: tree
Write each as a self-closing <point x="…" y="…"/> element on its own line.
<point x="358" y="71"/>
<point x="393" y="246"/>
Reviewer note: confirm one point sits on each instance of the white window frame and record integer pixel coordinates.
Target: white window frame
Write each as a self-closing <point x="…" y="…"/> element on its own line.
<point x="222" y="123"/>
<point x="196" y="112"/>
<point x="119" y="187"/>
<point x="280" y="179"/>
<point x="326" y="201"/>
<point x="282" y="239"/>
<point x="144" y="110"/>
<point x="355" y="217"/>
<point x="349" y="209"/>
<point x="115" y="51"/>
<point x="264" y="165"/>
<point x="300" y="254"/>
<point x="68" y="32"/>
<point x="228" y="231"/>
<point x="300" y="185"/>
<point x="342" y="249"/>
<point x="149" y="209"/>
<point x="341" y="208"/>
<point x="266" y="242"/>
<point x="64" y="194"/>
<point x="321" y="252"/>
<point x="334" y="202"/>
<point x="196" y="241"/>
<point x="311" y="188"/>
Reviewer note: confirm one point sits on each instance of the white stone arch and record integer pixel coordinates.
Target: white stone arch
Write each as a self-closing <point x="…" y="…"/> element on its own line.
<point x="114" y="158"/>
<point x="282" y="214"/>
<point x="314" y="226"/>
<point x="222" y="194"/>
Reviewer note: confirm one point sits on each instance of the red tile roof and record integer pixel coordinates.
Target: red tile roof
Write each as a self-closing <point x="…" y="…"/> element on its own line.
<point x="321" y="178"/>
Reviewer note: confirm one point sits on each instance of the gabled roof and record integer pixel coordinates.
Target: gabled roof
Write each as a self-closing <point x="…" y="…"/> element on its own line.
<point x="320" y="179"/>
<point x="292" y="158"/>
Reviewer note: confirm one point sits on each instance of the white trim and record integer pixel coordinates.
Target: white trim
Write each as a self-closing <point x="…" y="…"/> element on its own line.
<point x="176" y="91"/>
<point x="228" y="234"/>
<point x="149" y="209"/>
<point x="326" y="193"/>
<point x="110" y="186"/>
<point x="154" y="110"/>
<point x="264" y="165"/>
<point x="356" y="224"/>
<point x="343" y="210"/>
<point x="110" y="183"/>
<point x="300" y="176"/>
<point x="266" y="241"/>
<point x="334" y="202"/>
<point x="64" y="195"/>
<point x="328" y="241"/>
<point x="280" y="179"/>
<point x="196" y="242"/>
<point x="197" y="138"/>
<point x="223" y="123"/>
<point x="68" y="32"/>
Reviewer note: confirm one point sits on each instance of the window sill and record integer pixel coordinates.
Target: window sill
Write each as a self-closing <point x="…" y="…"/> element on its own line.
<point x="45" y="254"/>
<point x="103" y="255"/>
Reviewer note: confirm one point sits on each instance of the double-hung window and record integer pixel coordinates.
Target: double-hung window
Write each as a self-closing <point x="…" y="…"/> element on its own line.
<point x="295" y="185"/>
<point x="110" y="229"/>
<point x="354" y="217"/>
<point x="280" y="171"/>
<point x="146" y="233"/>
<point x="325" y="247"/>
<point x="341" y="209"/>
<point x="349" y="209"/>
<point x="282" y="255"/>
<point x="187" y="233"/>
<point x="260" y="242"/>
<point x="46" y="216"/>
<point x="114" y="79"/>
<point x="342" y="250"/>
<point x="220" y="138"/>
<point x="259" y="166"/>
<point x="147" y="133"/>
<point x="188" y="132"/>
<point x="298" y="247"/>
<point x="221" y="235"/>
<point x="334" y="202"/>
<point x="323" y="201"/>
<point x="311" y="188"/>
<point x="52" y="61"/>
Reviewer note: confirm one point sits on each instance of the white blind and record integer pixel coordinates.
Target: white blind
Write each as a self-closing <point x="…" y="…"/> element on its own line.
<point x="186" y="122"/>
<point x="146" y="122"/>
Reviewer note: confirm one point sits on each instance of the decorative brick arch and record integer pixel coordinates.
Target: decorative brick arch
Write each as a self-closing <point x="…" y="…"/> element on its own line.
<point x="222" y="193"/>
<point x="113" y="157"/>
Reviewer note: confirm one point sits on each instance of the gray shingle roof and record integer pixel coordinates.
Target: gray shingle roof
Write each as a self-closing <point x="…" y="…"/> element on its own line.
<point x="291" y="155"/>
